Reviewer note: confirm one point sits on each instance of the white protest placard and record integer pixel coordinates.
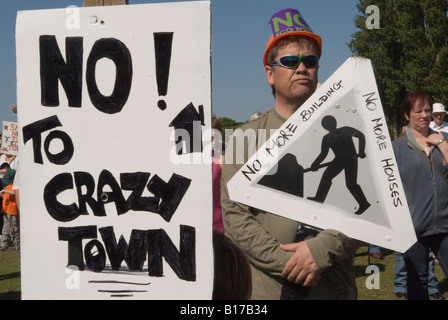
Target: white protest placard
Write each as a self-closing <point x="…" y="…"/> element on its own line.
<point x="111" y="208"/>
<point x="10" y="138"/>
<point x="331" y="165"/>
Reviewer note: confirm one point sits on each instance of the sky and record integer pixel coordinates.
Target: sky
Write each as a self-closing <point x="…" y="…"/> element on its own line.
<point x="240" y="30"/>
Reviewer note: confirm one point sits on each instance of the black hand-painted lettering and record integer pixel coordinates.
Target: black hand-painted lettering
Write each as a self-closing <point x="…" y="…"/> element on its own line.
<point x="163" y="46"/>
<point x="57" y="210"/>
<point x="182" y="262"/>
<point x="167" y="196"/>
<point x="74" y="237"/>
<point x="137" y="250"/>
<point x="84" y="179"/>
<point x="118" y="52"/>
<point x="151" y="245"/>
<point x="115" y="251"/>
<point x="171" y="193"/>
<point x="136" y="182"/>
<point x="106" y="178"/>
<point x="95" y="262"/>
<point x="34" y="131"/>
<point x="53" y="67"/>
<point x="66" y="154"/>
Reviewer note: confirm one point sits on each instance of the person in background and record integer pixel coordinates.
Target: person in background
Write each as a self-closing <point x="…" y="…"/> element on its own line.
<point x="1" y="213"/>
<point x="10" y="211"/>
<point x="438" y="114"/>
<point x="15" y="186"/>
<point x="400" y="273"/>
<point x="375" y="252"/>
<point x="13" y="162"/>
<point x="317" y="268"/>
<point x="255" y="116"/>
<point x="232" y="276"/>
<point x="400" y="278"/>
<point x="422" y="155"/>
<point x="10" y="159"/>
<point x="217" y="163"/>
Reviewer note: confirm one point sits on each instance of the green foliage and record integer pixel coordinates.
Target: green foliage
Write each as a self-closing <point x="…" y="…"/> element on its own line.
<point x="408" y="51"/>
<point x="228" y="123"/>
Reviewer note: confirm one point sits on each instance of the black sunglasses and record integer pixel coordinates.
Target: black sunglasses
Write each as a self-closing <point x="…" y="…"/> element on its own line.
<point x="292" y="62"/>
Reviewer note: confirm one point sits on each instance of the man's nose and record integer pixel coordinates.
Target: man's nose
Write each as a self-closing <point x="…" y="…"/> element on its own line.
<point x="301" y="68"/>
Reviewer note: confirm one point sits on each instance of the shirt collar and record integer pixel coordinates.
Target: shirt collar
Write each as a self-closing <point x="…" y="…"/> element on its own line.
<point x="412" y="139"/>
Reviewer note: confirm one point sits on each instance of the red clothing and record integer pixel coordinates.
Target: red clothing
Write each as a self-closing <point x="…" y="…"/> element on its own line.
<point x="217" y="212"/>
<point x="9" y="204"/>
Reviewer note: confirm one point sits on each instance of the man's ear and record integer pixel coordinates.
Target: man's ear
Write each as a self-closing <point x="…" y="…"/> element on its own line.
<point x="269" y="74"/>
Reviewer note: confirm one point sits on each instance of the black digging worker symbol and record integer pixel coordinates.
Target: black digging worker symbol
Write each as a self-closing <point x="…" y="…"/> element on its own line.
<point x="340" y="141"/>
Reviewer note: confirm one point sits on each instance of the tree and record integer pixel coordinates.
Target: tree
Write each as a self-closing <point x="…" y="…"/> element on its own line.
<point x="408" y="51"/>
<point x="230" y="124"/>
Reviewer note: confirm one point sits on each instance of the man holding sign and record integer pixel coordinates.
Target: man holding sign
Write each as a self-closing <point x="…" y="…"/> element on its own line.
<point x="318" y="268"/>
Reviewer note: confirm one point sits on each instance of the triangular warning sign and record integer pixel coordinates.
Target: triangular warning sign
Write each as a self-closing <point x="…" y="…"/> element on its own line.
<point x="331" y="165"/>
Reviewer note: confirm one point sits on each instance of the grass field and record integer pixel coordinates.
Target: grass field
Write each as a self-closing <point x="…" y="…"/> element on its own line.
<point x="10" y="276"/>
<point x="386" y="280"/>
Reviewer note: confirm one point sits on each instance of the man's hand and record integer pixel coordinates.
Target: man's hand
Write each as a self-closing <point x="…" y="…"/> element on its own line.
<point x="301" y="267"/>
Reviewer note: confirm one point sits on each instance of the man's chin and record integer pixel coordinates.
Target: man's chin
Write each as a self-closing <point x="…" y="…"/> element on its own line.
<point x="303" y="95"/>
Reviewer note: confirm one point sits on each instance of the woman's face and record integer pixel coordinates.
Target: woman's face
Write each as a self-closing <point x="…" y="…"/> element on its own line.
<point x="420" y="115"/>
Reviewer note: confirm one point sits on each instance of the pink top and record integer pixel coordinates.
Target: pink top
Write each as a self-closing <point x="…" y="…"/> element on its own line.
<point x="217" y="212"/>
